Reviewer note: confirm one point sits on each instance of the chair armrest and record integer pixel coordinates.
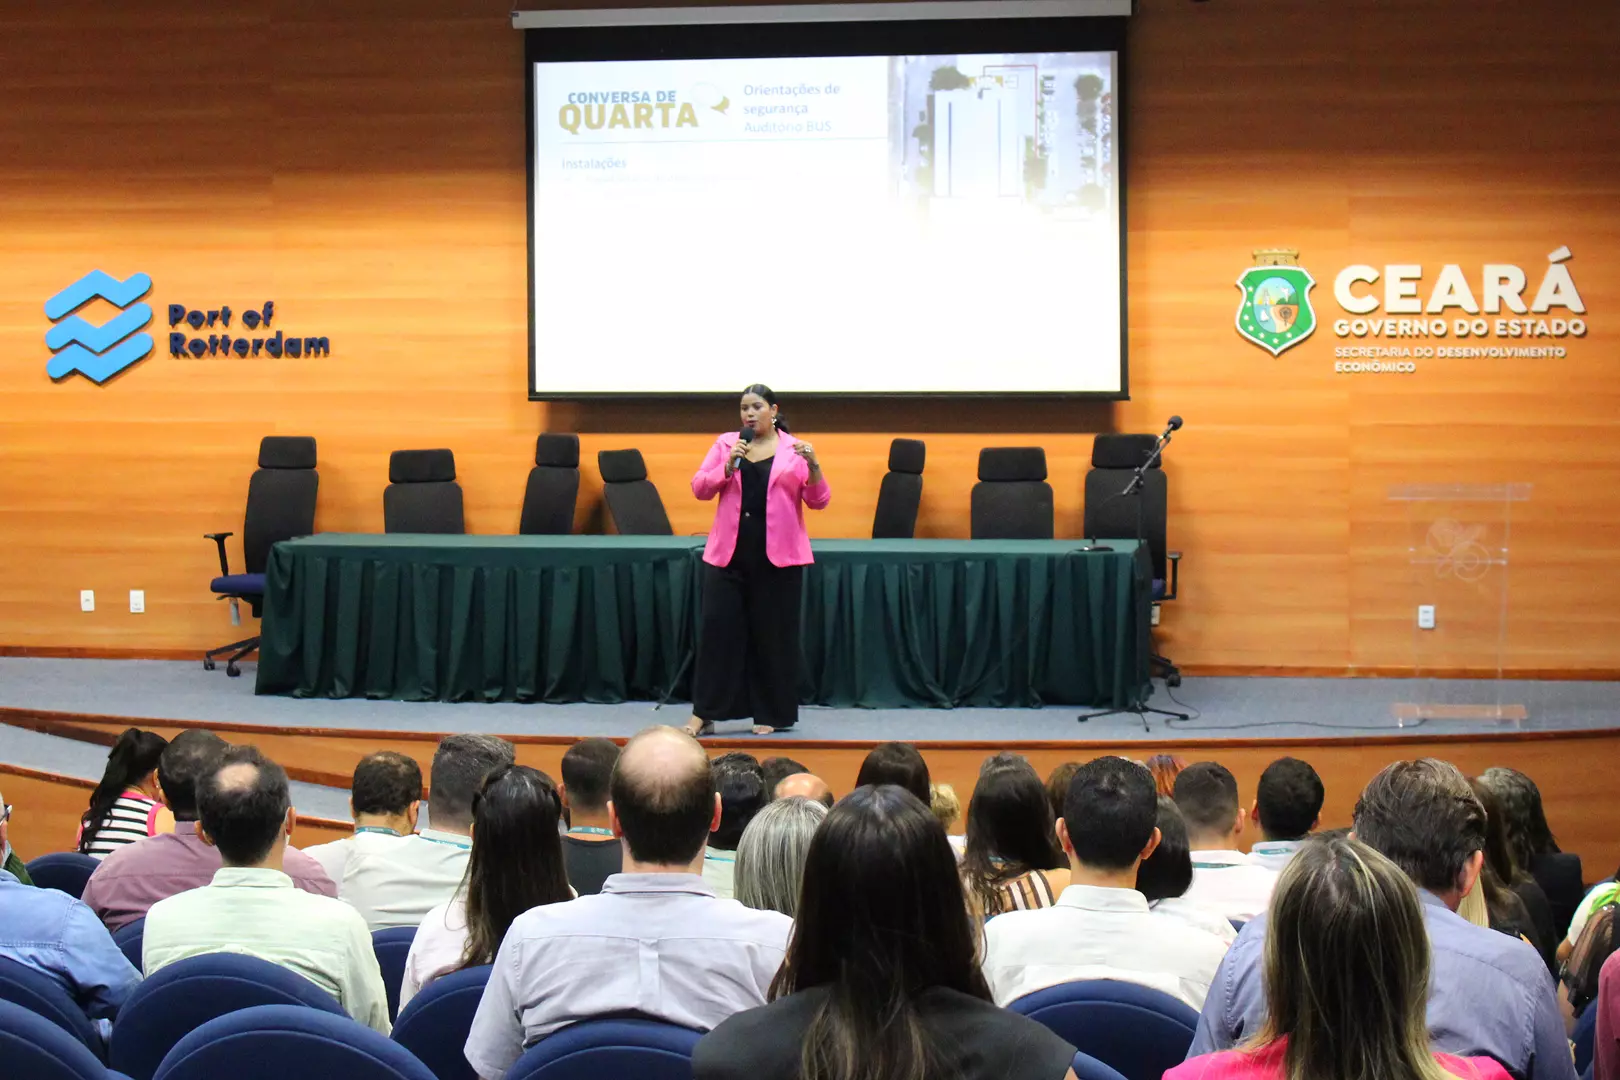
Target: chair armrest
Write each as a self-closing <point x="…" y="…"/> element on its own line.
<point x="219" y="538"/>
<point x="1174" y="558"/>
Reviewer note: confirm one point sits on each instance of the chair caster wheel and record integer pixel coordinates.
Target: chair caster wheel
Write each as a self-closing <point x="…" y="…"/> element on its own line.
<point x="232" y="670"/>
<point x="208" y="663"/>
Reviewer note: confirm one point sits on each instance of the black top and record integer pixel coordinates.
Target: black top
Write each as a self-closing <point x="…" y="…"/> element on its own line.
<point x="1559" y="875"/>
<point x="591" y="862"/>
<point x="982" y="1041"/>
<point x="756" y="477"/>
<point x="1541" y="918"/>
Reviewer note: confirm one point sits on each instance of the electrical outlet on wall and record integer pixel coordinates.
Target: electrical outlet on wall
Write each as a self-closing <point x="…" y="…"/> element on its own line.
<point x="87" y="599"/>
<point x="137" y="601"/>
<point x="1425" y="616"/>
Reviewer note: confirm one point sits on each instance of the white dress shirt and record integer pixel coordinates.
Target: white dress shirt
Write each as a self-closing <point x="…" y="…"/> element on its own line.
<point x="1274" y="854"/>
<point x="1229" y="884"/>
<point x="394" y="880"/>
<point x="262" y="913"/>
<point x="437" y="947"/>
<point x="1098" y="933"/>
<point x="1178" y="909"/>
<point x="660" y="945"/>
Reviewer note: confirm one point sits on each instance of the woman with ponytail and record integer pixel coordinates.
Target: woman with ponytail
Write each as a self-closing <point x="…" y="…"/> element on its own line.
<point x="124" y="807"/>
<point x="881" y="979"/>
<point x="748" y="646"/>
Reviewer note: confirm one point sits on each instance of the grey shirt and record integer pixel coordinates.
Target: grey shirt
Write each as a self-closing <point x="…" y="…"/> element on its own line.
<point x="1489" y="994"/>
<point x="659" y="945"/>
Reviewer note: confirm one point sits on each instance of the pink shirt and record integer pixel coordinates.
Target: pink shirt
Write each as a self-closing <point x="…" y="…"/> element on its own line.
<point x="1266" y="1063"/>
<point x="1606" y="1054"/>
<point x="789" y="492"/>
<point x="138" y="875"/>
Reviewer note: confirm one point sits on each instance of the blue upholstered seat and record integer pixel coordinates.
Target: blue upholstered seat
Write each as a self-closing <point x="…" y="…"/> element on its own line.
<point x="238" y="585"/>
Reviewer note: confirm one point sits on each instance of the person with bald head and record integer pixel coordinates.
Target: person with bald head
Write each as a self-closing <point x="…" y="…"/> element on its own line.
<point x="253" y="907"/>
<point x="805" y="785"/>
<point x="656" y="941"/>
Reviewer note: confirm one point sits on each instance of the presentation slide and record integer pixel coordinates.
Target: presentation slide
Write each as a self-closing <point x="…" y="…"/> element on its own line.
<point x="851" y="224"/>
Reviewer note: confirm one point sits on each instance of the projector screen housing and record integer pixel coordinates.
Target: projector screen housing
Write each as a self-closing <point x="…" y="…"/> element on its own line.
<point x="870" y="208"/>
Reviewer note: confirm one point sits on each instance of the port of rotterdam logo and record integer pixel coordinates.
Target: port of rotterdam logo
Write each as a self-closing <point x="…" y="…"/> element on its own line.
<point x="98" y="352"/>
<point x="1275" y="309"/>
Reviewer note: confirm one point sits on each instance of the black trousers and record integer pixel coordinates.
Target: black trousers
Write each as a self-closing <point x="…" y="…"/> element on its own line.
<point x="748" y="642"/>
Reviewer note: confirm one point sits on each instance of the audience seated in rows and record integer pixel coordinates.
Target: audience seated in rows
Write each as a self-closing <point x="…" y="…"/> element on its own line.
<point x="656" y="941"/>
<point x="770" y="856"/>
<point x="1225" y="880"/>
<point x="589" y="847"/>
<point x="252" y="907"/>
<point x="138" y="875"/>
<point x="741" y="784"/>
<point x="804" y="785"/>
<point x="1487" y="993"/>
<point x="125" y="805"/>
<point x="1012" y="861"/>
<point x="1534" y="846"/>
<point x="1346" y="965"/>
<point x="60" y="938"/>
<point x="517" y="863"/>
<point x="881" y="978"/>
<point x="1101" y="927"/>
<point x="390" y="873"/>
<point x="1287" y="808"/>
<point x="897" y="763"/>
<point x="1164" y="877"/>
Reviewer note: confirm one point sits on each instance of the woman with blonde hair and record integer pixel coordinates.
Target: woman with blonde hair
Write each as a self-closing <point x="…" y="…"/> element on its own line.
<point x="1346" y="980"/>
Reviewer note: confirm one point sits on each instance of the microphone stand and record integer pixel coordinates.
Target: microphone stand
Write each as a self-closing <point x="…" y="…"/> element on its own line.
<point x="1134" y="490"/>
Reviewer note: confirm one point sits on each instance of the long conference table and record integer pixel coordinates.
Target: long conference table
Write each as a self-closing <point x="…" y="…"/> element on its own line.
<point x="886" y="623"/>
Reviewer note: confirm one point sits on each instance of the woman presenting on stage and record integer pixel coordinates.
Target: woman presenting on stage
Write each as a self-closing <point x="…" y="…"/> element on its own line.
<point x="748" y="644"/>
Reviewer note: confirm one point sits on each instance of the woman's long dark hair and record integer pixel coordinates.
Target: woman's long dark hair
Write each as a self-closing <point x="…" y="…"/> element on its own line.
<point x="132" y="759"/>
<point x="1010" y="829"/>
<point x="1168" y="872"/>
<point x="517" y="857"/>
<point x="1526" y="821"/>
<point x="881" y="919"/>
<point x="769" y="397"/>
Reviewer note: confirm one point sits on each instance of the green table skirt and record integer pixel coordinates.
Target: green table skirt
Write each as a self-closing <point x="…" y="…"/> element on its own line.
<point x="886" y="624"/>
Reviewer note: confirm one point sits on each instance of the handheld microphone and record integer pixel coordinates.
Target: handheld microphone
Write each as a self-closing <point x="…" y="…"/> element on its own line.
<point x="744" y="437"/>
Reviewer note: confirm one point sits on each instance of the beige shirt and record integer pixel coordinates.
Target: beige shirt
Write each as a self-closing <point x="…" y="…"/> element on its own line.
<point x="395" y="880"/>
<point x="1098" y="933"/>
<point x="720" y="872"/>
<point x="260" y="913"/>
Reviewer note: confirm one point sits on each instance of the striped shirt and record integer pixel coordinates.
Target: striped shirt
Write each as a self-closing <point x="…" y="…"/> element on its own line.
<point x="131" y="818"/>
<point x="1026" y="892"/>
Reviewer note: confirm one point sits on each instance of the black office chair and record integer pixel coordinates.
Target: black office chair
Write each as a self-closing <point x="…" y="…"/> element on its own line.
<point x="900" y="494"/>
<point x="632" y="501"/>
<point x="1012" y="500"/>
<point x="422" y="494"/>
<point x="553" y="491"/>
<point x="280" y="506"/>
<point x="1109" y="515"/>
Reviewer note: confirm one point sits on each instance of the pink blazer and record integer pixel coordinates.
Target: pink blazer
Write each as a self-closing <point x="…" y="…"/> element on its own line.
<point x="789" y="492"/>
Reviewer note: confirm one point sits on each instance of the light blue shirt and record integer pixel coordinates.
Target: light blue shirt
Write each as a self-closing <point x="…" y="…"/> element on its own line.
<point x="659" y="945"/>
<point x="55" y="935"/>
<point x="1488" y="994"/>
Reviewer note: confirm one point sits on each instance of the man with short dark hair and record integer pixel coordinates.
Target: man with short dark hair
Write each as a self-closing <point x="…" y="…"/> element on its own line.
<point x="1226" y="882"/>
<point x="741" y="784"/>
<point x="1287" y="807"/>
<point x="1100" y="927"/>
<point x="392" y="874"/>
<point x="138" y="875"/>
<point x="897" y="763"/>
<point x="251" y="906"/>
<point x="589" y="847"/>
<point x="778" y="769"/>
<point x="53" y="934"/>
<point x="656" y="941"/>
<point x="1488" y="993"/>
